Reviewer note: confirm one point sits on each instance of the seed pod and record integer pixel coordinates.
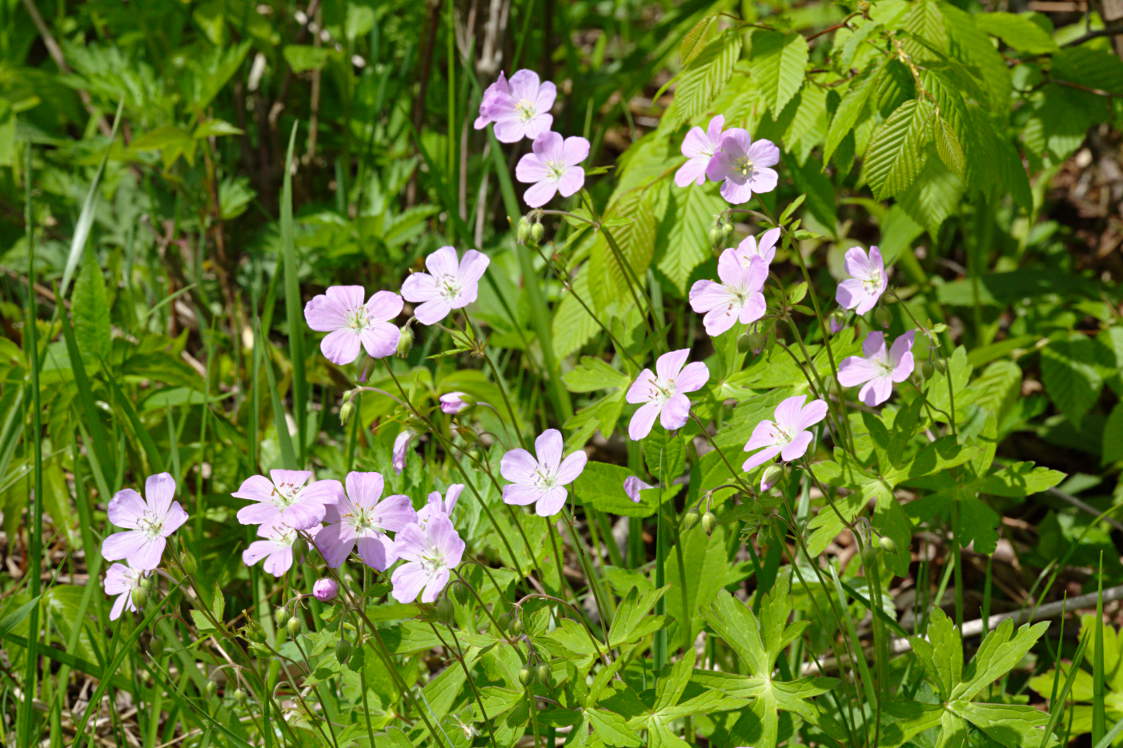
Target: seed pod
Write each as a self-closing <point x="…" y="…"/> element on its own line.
<point x="709" y="522"/>
<point x="887" y="544"/>
<point x="524" y="676"/>
<point x="343" y="651"/>
<point x="716" y="236"/>
<point x="542" y="673"/>
<point x="537" y="231"/>
<point x="405" y="341"/>
<point x="522" y="231"/>
<point x="690" y="519"/>
<point x="281" y="615"/>
<point x="140" y="596"/>
<point x="294" y="625"/>
<point x="239" y="695"/>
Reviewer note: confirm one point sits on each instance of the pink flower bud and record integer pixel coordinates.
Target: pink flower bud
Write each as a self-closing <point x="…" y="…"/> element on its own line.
<point x="453" y="402"/>
<point x="325" y="589"/>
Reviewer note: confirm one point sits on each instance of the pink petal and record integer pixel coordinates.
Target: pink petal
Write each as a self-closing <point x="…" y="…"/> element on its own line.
<point x="640" y="389"/>
<point x="364" y="488"/>
<point x="174" y="518"/>
<point x="432" y="312"/>
<point x="753" y="309"/>
<point x="341" y="346"/>
<point x="874" y="345"/>
<point x="857" y="263"/>
<point x="472" y="266"/>
<point x="539" y="194"/>
<point x="258" y="514"/>
<point x="642" y="421"/>
<point x="434" y="584"/>
<point x="549" y="146"/>
<point x="876" y="391"/>
<point x="302" y="515"/>
<point x="812" y="413"/>
<point x="901" y="347"/>
<point x="670" y="364"/>
<point x="279" y="561"/>
<point x="735" y="193"/>
<point x="537" y="125"/>
<point x="675" y="412"/>
<point x="571" y="181"/>
<point x="551" y="502"/>
<point x="788" y="413"/>
<point x="763" y="180"/>
<point x="121" y="545"/>
<point x="126" y="508"/>
<point x="735" y="141"/>
<point x="346" y="297"/>
<point x="850" y="293"/>
<point x="575" y="150"/>
<point x="706" y="295"/>
<point x="147" y="556"/>
<point x="509" y="127"/>
<point x="548" y="448"/>
<point x="159" y="491"/>
<point x="518" y="466"/>
<point x="713" y="130"/>
<point x="903" y="368"/>
<point x="692" y="377"/>
<point x="764" y="153"/>
<point x="408" y="580"/>
<point x="323" y="314"/>
<point x="119" y="606"/>
<point x="547" y="94"/>
<point x="692" y="172"/>
<point x="396" y="512"/>
<point x="443" y="261"/>
<point x="420" y="287"/>
<point x="521" y="495"/>
<point x="335" y="544"/>
<point x="524" y="85"/>
<point x="855" y="370"/>
<point x="377" y="552"/>
<point x="571" y="468"/>
<point x="719" y="320"/>
<point x="761" y="457"/>
<point x="731" y="270"/>
<point x="531" y="169"/>
<point x="697" y="143"/>
<point x="380" y="339"/>
<point x="797" y="447"/>
<point x="767" y="246"/>
<point x="384" y="306"/>
<point x="764" y="435"/>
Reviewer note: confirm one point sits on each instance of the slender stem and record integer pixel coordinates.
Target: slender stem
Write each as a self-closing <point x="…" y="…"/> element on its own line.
<point x="594" y="583"/>
<point x="458" y="655"/>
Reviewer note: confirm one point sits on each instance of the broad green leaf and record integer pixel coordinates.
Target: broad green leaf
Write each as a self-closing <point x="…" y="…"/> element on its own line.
<point x="613" y="278"/>
<point x="935" y="194"/>
<point x="611" y="728"/>
<point x="691" y="213"/>
<point x="1000" y="652"/>
<point x="779" y="64"/>
<point x="929" y="34"/>
<point x="941" y="652"/>
<point x="601" y="486"/>
<point x="1071" y="378"/>
<point x="593" y="374"/>
<point x="703" y="77"/>
<point x="897" y="152"/>
<point x="634" y="619"/>
<point x="1017" y="31"/>
<point x="303" y="57"/>
<point x="90" y="308"/>
<point x="851" y="107"/>
<point x="573" y="326"/>
<point x="948" y="147"/>
<point x="1018" y="479"/>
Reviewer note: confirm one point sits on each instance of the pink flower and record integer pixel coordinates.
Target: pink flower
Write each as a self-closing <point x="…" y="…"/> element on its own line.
<point x="879" y="369"/>
<point x="632" y="487"/>
<point x="698" y="146"/>
<point x="349" y="322"/>
<point x="398" y="451"/>
<point x="122" y="581"/>
<point x="519" y="108"/>
<point x="439" y="506"/>
<point x="552" y="168"/>
<point x="540" y="479"/>
<point x="743" y="165"/>
<point x="446" y="286"/>
<point x="282" y="498"/>
<point x="149" y="522"/>
<point x="766" y="249"/>
<point x="662" y="393"/>
<point x="787" y="436"/>
<point x="430" y="553"/>
<point x="737" y="298"/>
<point x="325" y="589"/>
<point x="360" y="519"/>
<point x="276" y="548"/>
<point x="866" y="283"/>
<point x="453" y="402"/>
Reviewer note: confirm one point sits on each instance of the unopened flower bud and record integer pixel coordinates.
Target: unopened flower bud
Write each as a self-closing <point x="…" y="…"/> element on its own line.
<point x="717" y="236"/>
<point x="210" y="688"/>
<point x="294" y="625"/>
<point x="281" y="615"/>
<point x="768" y="478"/>
<point x="453" y="402"/>
<point x="887" y="544"/>
<point x="690" y="519"/>
<point x="343" y="651"/>
<point x="542" y="673"/>
<point x="537" y="231"/>
<point x="522" y="232"/>
<point x="752" y="341"/>
<point x="140" y="595"/>
<point x="516" y="625"/>
<point x="239" y="695"/>
<point x="835" y="321"/>
<point x="709" y="522"/>
<point x="405" y="341"/>
<point x="325" y="589"/>
<point x="345" y="410"/>
<point x="524" y="676"/>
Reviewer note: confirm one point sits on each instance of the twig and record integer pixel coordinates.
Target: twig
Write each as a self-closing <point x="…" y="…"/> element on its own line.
<point x="1085" y="507"/>
<point x="1115" y="30"/>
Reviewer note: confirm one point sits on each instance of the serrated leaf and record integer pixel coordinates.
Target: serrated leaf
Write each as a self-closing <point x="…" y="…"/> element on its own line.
<point x="573" y="326"/>
<point x="947" y="145"/>
<point x="593" y="374"/>
<point x="897" y="153"/>
<point x="1000" y="652"/>
<point x="1017" y="31"/>
<point x="846" y="116"/>
<point x="779" y="64"/>
<point x="695" y="40"/>
<point x="611" y="276"/>
<point x="974" y="48"/>
<point x="933" y="196"/>
<point x="926" y="27"/>
<point x="1072" y="381"/>
<point x="705" y="76"/>
<point x="691" y="213"/>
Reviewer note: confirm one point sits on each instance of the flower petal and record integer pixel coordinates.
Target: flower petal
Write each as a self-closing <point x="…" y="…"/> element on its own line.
<point x="668" y="366"/>
<point x="420" y="287"/>
<point x="675" y="412"/>
<point x="693" y="377"/>
<point x="548" y="448"/>
<point x="341" y="346"/>
<point x="159" y="491"/>
<point x="797" y="447"/>
<point x="518" y="466"/>
<point x="126" y="508"/>
<point x="571" y="467"/>
<point x="761" y="457"/>
<point x="642" y="421"/>
<point x="551" y="502"/>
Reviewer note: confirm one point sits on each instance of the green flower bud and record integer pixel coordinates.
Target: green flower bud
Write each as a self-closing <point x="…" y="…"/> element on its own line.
<point x="690" y="519"/>
<point x="524" y="676"/>
<point x="140" y="595"/>
<point x="281" y="615"/>
<point x="709" y="522"/>
<point x="210" y="688"/>
<point x="716" y="236"/>
<point x="522" y="232"/>
<point x="542" y="673"/>
<point x="294" y="625"/>
<point x="342" y="651"/>
<point x="239" y="695"/>
<point x="537" y="231"/>
<point x="887" y="544"/>
<point x="405" y="341"/>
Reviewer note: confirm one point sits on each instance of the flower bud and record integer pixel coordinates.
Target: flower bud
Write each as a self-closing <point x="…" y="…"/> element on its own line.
<point x="345" y="410"/>
<point x="887" y="544"/>
<point x="210" y="688"/>
<point x="516" y="626"/>
<point x="524" y="676"/>
<point x="753" y="341"/>
<point x="140" y="595"/>
<point x="453" y="402"/>
<point x="405" y="341"/>
<point x="343" y="651"/>
<point x="768" y="478"/>
<point x="542" y="673"/>
<point x="835" y="321"/>
<point x="709" y="522"/>
<point x="717" y="236"/>
<point x="281" y="615"/>
<point x="294" y="625"/>
<point x="239" y="695"/>
<point x="522" y="232"/>
<point x="325" y="589"/>
<point x="690" y="519"/>
<point x="537" y="231"/>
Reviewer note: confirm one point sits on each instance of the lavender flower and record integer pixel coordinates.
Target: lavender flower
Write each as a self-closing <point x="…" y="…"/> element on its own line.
<point x="743" y="166"/>
<point x="349" y="322"/>
<point x="541" y="479"/>
<point x="439" y="506"/>
<point x="698" y="146"/>
<point x="453" y="402"/>
<point x="148" y="522"/>
<point x="519" y="108"/>
<point x="325" y="589"/>
<point x="284" y="499"/>
<point x="430" y="553"/>
<point x="866" y="283"/>
<point x="398" y="452"/>
<point x="446" y="286"/>
<point x="360" y="519"/>
<point x="663" y="393"/>
<point x="738" y="297"/>
<point x="122" y="580"/>
<point x="765" y="249"/>
<point x="879" y="369"/>
<point x="275" y="548"/>
<point x="632" y="487"/>
<point x="787" y="436"/>
<point x="552" y="168"/>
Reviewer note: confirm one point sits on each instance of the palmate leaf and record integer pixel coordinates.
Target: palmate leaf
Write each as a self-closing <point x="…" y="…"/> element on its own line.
<point x="1072" y="381"/>
<point x="703" y="77"/>
<point x="897" y="153"/>
<point x="779" y="65"/>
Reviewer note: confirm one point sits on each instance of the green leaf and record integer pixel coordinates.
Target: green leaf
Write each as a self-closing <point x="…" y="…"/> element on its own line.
<point x="999" y="653"/>
<point x="1018" y="479"/>
<point x="695" y="40"/>
<point x="1072" y="381"/>
<point x="704" y="77"/>
<point x="573" y="326"/>
<point x="925" y="23"/>
<point x="933" y="196"/>
<point x="215" y="127"/>
<point x="691" y="213"/>
<point x="634" y="619"/>
<point x="779" y="64"/>
<point x="593" y="374"/>
<point x="941" y="652"/>
<point x="947" y="145"/>
<point x="601" y="486"/>
<point x="1112" y="449"/>
<point x="609" y="280"/>
<point x="897" y="152"/>
<point x="303" y="57"/>
<point x="611" y="728"/>
<point x="975" y="49"/>
<point x="1017" y="31"/>
<point x="851" y="107"/>
<point x="91" y="314"/>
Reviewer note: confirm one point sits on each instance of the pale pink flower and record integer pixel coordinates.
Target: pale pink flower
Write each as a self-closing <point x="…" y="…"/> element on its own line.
<point x="453" y="402"/>
<point x="122" y="580"/>
<point x="879" y="369"/>
<point x="632" y="487"/>
<point x="787" y="436"/>
<point x="398" y="451"/>
<point x="551" y="168"/>
<point x="276" y="548"/>
<point x="737" y="298"/>
<point x="430" y="553"/>
<point x="765" y="249"/>
<point x="699" y="146"/>
<point x="283" y="498"/>
<point x="743" y="166"/>
<point x="540" y="479"/>
<point x="349" y="322"/>
<point x="446" y="286"/>
<point x="360" y="519"/>
<point x="439" y="506"/>
<point x="148" y="522"/>
<point x="325" y="589"/>
<point x="520" y="107"/>
<point x="663" y="393"/>
<point x="867" y="280"/>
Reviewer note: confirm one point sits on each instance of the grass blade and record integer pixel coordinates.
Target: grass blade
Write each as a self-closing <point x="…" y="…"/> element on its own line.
<point x="293" y="306"/>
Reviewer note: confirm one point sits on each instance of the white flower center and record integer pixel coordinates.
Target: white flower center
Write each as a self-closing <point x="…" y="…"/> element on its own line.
<point x="286" y="536"/>
<point x="544" y="479"/>
<point x="433" y="560"/>
<point x="526" y="110"/>
<point x="151" y="525"/>
<point x="743" y="166"/>
<point x="362" y="520"/>
<point x="357" y="319"/>
<point x="661" y="391"/>
<point x="555" y="170"/>
<point x="449" y="286"/>
<point x="872" y="282"/>
<point x="286" y="494"/>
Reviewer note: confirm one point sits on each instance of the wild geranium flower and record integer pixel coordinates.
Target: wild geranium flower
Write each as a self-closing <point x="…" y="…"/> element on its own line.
<point x="283" y="498"/>
<point x="879" y="369"/>
<point x="633" y="485"/>
<point x="439" y="506"/>
<point x="551" y="168"/>
<point x="350" y="322"/>
<point x="430" y="553"/>
<point x="738" y="297"/>
<point x="520" y="107"/>
<point x="540" y="479"/>
<point x="446" y="286"/>
<point x="122" y="580"/>
<point x="786" y="436"/>
<point x="360" y="519"/>
<point x="453" y="402"/>
<point x="398" y="451"/>
<point x="662" y="394"/>
<point x="276" y="548"/>
<point x="148" y="522"/>
<point x="325" y="589"/>
<point x="743" y="166"/>
<point x="867" y="280"/>
<point x="765" y="249"/>
<point x="698" y="146"/>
